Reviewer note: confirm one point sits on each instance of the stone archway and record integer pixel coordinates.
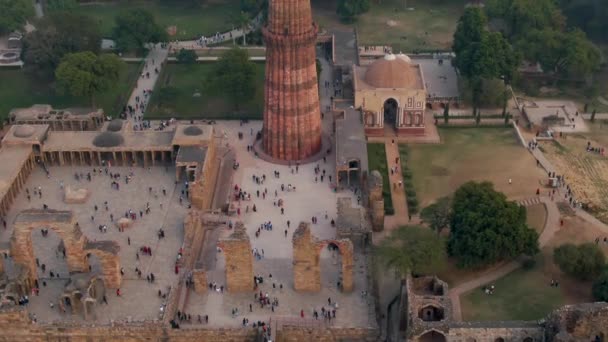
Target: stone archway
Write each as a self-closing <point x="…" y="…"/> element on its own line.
<point x="61" y="222"/>
<point x="390" y="110"/>
<point x="306" y="260"/>
<point x="432" y="336"/>
<point x="74" y="241"/>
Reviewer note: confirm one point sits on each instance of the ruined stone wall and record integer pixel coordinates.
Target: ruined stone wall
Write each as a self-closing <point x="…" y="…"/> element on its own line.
<point x="202" y="190"/>
<point x="239" y="260"/>
<point x="200" y="280"/>
<point x="582" y="322"/>
<point x="494" y="331"/>
<point x="333" y="334"/>
<point x="306" y="267"/>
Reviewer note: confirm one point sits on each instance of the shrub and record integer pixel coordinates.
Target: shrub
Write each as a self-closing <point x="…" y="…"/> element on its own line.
<point x="528" y="263"/>
<point x="584" y="261"/>
<point x="600" y="287"/>
<point x="410" y="193"/>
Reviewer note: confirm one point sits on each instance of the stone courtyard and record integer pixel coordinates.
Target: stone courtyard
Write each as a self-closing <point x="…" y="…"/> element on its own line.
<point x="139" y="299"/>
<point x="309" y="199"/>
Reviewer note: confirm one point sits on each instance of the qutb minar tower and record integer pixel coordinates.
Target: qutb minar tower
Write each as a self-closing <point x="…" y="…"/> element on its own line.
<point x="292" y="117"/>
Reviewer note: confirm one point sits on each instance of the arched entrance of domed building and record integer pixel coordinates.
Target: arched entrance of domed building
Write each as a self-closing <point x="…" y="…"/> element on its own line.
<point x="390" y="110"/>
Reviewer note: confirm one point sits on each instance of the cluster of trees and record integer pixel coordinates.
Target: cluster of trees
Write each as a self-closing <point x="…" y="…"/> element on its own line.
<point x="482" y="56"/>
<point x="14" y="14"/>
<point x="585" y="262"/>
<point x="349" y="10"/>
<point x="540" y="31"/>
<point x="485" y="228"/>
<point x="66" y="47"/>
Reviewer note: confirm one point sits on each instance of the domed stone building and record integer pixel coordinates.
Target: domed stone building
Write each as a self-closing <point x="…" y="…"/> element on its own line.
<point x="391" y="94"/>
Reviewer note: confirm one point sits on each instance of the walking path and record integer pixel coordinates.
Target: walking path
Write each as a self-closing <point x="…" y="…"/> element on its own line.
<point x="401" y="215"/>
<point x="551" y="227"/>
<point x="154" y="60"/>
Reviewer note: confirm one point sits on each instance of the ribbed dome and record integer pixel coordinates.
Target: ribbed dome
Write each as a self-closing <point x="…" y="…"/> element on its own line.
<point x="391" y="72"/>
<point x="24" y="131"/>
<point x="108" y="139"/>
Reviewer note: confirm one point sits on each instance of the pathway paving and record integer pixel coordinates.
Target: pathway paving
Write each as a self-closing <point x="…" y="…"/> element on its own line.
<point x="401" y="215"/>
<point x="551" y="227"/>
<point x="154" y="60"/>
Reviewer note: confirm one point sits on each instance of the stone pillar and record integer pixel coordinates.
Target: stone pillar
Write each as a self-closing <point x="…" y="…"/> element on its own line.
<point x="306" y="272"/>
<point x="239" y="260"/>
<point x="200" y="280"/>
<point x="61" y="161"/>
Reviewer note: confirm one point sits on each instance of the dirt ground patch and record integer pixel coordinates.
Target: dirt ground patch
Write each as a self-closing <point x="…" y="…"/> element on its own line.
<point x="479" y="154"/>
<point x="585" y="172"/>
<point x="536" y="217"/>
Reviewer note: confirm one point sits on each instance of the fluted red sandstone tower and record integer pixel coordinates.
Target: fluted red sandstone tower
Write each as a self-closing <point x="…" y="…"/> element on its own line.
<point x="292" y="118"/>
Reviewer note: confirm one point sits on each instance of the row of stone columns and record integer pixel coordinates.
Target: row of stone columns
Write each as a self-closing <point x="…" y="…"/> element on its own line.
<point x="117" y="158"/>
<point x="66" y="125"/>
<point x="16" y="186"/>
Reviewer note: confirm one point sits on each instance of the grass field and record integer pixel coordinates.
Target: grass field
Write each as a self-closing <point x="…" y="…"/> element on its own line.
<point x="521" y="295"/>
<point x="209" y="18"/>
<point x="18" y="90"/>
<point x="192" y="79"/>
<point x="424" y="25"/>
<point x="376" y="155"/>
<point x="465" y="154"/>
<point x="536" y="216"/>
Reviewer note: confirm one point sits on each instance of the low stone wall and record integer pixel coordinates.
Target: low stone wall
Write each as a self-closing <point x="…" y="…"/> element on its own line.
<point x="330" y="334"/>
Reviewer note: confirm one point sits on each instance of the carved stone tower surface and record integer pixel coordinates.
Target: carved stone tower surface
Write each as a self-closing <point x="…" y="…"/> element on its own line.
<point x="292" y="117"/>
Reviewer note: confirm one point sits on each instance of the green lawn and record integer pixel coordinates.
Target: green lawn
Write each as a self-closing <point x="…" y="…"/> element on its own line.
<point x="190" y="80"/>
<point x="520" y="295"/>
<point x="430" y="25"/>
<point x="18" y="90"/>
<point x="466" y="154"/>
<point x="209" y="18"/>
<point x="376" y="155"/>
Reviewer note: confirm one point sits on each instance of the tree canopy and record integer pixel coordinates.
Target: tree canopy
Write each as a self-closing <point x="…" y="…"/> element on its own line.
<point x="584" y="261"/>
<point x="57" y="35"/>
<point x="600" y="287"/>
<point x="437" y="215"/>
<point x="481" y="54"/>
<point x="234" y="76"/>
<point x="86" y="74"/>
<point x="349" y="10"/>
<point x="135" y="28"/>
<point x="487" y="228"/>
<point x="186" y="56"/>
<point x="567" y="53"/>
<point x="539" y="31"/>
<point x="589" y="15"/>
<point x="413" y="249"/>
<point x="14" y="13"/>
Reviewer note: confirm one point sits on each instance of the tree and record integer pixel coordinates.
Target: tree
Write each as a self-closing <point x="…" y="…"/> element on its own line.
<point x="86" y="74"/>
<point x="593" y="115"/>
<point x="584" y="261"/>
<point x="57" y="35"/>
<point x="590" y="15"/>
<point x="522" y="16"/>
<point x="481" y="55"/>
<point x="242" y="22"/>
<point x="413" y="249"/>
<point x="600" y="287"/>
<point x="233" y="75"/>
<point x="14" y="14"/>
<point x="567" y="53"/>
<point x="486" y="228"/>
<point x="348" y="10"/>
<point x="185" y="56"/>
<point x="135" y="28"/>
<point x="437" y="215"/>
<point x="446" y="113"/>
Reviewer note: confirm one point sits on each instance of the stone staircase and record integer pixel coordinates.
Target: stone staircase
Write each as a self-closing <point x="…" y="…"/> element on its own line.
<point x="529" y="201"/>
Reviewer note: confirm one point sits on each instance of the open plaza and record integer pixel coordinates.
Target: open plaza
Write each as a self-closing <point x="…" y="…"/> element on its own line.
<point x="273" y="200"/>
